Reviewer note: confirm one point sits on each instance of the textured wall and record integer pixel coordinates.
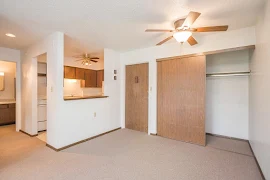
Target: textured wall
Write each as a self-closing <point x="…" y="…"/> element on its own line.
<point x="227" y="98"/>
<point x="217" y="41"/>
<point x="259" y="129"/>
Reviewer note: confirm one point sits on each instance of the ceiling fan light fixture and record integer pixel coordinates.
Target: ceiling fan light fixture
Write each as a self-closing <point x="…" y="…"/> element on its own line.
<point x="10" y="35"/>
<point x="182" y="36"/>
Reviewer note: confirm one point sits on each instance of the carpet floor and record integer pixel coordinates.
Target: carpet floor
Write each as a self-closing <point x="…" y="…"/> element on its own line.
<point x="125" y="155"/>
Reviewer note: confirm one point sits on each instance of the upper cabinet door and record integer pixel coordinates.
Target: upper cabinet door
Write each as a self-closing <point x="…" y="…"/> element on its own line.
<point x="80" y="73"/>
<point x="90" y="78"/>
<point x="69" y="72"/>
<point x="100" y="78"/>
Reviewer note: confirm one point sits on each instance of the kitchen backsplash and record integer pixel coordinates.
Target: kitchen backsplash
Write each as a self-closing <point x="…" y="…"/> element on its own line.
<point x="73" y="87"/>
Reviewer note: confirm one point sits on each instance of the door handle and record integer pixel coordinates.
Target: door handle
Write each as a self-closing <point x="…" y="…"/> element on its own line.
<point x="136" y="79"/>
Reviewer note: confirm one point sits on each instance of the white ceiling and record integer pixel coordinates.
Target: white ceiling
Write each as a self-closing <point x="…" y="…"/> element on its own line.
<point x="91" y="25"/>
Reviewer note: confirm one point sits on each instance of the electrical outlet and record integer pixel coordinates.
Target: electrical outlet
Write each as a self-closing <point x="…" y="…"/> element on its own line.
<point x="95" y="114"/>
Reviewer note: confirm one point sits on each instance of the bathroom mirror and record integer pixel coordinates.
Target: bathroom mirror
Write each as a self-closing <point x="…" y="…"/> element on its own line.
<point x="2" y="81"/>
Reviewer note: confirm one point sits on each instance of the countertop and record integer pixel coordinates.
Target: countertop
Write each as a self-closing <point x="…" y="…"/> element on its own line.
<point x="67" y="98"/>
<point x="7" y="101"/>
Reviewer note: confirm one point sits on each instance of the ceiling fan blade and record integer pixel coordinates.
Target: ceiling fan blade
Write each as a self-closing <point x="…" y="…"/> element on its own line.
<point x="78" y="56"/>
<point x="93" y="60"/>
<point x="191" y="18"/>
<point x="79" y="59"/>
<point x="165" y="40"/>
<point x="178" y="24"/>
<point x="192" y="41"/>
<point x="159" y="30"/>
<point x="212" y="29"/>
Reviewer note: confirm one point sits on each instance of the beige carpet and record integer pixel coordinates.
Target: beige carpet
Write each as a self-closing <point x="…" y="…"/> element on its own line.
<point x="42" y="136"/>
<point x="121" y="155"/>
<point x="241" y="147"/>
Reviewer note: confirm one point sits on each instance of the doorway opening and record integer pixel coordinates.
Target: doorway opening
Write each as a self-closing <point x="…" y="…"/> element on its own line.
<point x="8" y="73"/>
<point x="42" y="97"/>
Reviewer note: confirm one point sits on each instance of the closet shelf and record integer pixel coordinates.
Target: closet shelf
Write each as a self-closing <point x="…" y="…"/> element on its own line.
<point x="228" y="74"/>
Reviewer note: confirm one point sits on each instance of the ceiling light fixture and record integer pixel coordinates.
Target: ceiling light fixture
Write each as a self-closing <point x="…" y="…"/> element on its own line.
<point x="182" y="36"/>
<point x="10" y="35"/>
<point x="86" y="63"/>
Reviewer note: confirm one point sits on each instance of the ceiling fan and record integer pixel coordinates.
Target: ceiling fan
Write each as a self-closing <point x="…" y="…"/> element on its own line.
<point x="183" y="31"/>
<point x="86" y="59"/>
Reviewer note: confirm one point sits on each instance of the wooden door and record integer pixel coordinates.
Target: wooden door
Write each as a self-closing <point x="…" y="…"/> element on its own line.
<point x="100" y="77"/>
<point x="136" y="116"/>
<point x="90" y="78"/>
<point x="181" y="99"/>
<point x="69" y="72"/>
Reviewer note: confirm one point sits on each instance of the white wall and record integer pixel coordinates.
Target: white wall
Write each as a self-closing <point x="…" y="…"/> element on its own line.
<point x="13" y="55"/>
<point x="217" y="41"/>
<point x="9" y="68"/>
<point x="259" y="128"/>
<point x="66" y="124"/>
<point x="53" y="45"/>
<point x="79" y="123"/>
<point x="227" y="98"/>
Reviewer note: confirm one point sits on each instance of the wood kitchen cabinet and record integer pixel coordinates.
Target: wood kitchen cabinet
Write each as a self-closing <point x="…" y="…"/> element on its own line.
<point x="90" y="78"/>
<point x="79" y="73"/>
<point x="69" y="72"/>
<point x="7" y="114"/>
<point x="100" y="78"/>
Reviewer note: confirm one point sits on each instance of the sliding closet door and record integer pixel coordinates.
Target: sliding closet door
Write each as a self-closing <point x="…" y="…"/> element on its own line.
<point x="181" y="99"/>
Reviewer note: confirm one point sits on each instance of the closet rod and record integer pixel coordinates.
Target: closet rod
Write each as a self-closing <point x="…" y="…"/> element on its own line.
<point x="228" y="74"/>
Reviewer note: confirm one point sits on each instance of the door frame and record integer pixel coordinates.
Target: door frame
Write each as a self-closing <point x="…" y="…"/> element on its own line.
<point x="124" y="89"/>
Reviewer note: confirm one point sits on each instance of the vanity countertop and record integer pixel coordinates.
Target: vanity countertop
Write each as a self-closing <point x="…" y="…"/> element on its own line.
<point x="7" y="101"/>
